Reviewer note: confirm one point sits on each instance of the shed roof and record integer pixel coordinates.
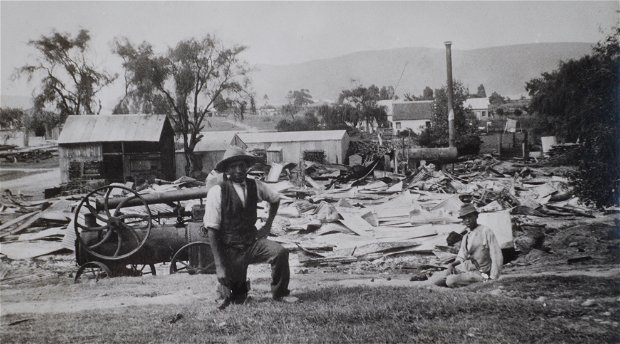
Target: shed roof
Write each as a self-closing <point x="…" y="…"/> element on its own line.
<point x="415" y="110"/>
<point x="293" y="136"/>
<point x="477" y="103"/>
<point x="112" y="128"/>
<point x="217" y="141"/>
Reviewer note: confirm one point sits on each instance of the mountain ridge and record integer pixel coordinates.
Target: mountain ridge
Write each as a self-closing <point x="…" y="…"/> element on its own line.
<point x="504" y="69"/>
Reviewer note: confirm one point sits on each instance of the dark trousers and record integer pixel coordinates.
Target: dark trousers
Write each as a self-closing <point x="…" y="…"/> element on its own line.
<point x="262" y="250"/>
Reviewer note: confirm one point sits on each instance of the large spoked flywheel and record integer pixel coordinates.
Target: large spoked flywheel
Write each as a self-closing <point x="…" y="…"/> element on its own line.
<point x="112" y="222"/>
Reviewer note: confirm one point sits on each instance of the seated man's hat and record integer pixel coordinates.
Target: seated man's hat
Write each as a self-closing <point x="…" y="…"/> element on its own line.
<point x="233" y="154"/>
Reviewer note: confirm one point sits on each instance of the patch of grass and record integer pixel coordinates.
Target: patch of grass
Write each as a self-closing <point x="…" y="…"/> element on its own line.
<point x="333" y="315"/>
<point x="556" y="287"/>
<point x="219" y="124"/>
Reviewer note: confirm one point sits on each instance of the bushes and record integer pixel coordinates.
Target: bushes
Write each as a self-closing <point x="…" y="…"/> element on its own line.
<point x="465" y="123"/>
<point x="579" y="101"/>
<point x="467" y="145"/>
<point x="306" y="123"/>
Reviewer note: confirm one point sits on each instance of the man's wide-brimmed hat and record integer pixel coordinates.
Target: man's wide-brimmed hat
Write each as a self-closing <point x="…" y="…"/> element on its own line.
<point x="467" y="209"/>
<point x="233" y="154"/>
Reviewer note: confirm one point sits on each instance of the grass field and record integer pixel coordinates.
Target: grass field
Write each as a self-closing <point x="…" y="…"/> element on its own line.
<point x="507" y="311"/>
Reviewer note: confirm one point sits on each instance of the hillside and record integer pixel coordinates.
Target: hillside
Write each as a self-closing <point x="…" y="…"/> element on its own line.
<point x="503" y="69"/>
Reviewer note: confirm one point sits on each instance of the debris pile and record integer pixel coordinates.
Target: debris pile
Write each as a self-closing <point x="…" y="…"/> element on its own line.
<point x="362" y="218"/>
<point x="375" y="216"/>
<point x="12" y="153"/>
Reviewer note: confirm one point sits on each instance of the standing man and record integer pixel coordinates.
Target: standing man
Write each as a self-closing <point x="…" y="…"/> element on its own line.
<point x="480" y="257"/>
<point x="230" y="217"/>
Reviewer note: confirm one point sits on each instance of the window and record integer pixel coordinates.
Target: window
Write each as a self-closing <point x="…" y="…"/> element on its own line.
<point x="484" y="113"/>
<point x="428" y="124"/>
<point x="398" y="126"/>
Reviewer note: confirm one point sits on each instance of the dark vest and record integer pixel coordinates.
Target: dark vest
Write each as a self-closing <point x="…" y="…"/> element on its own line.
<point x="237" y="226"/>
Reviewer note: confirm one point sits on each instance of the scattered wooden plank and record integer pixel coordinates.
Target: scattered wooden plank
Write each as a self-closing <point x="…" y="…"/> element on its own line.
<point x="16" y="221"/>
<point x="56" y="231"/>
<point x="23" y="226"/>
<point x="31" y="249"/>
<point x="313" y="183"/>
<point x="274" y="172"/>
<point x="354" y="222"/>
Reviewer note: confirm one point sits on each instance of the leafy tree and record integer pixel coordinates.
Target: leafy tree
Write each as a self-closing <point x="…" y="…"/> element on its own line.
<point x="579" y="101"/>
<point x="364" y="101"/>
<point x="41" y="121"/>
<point x="11" y="117"/>
<point x="333" y="117"/>
<point x="29" y="121"/>
<point x="220" y="104"/>
<point x="386" y="93"/>
<point x="296" y="100"/>
<point x="300" y="98"/>
<point x="465" y="122"/>
<point x="496" y="99"/>
<point x="252" y="104"/>
<point x="69" y="82"/>
<point x="481" y="92"/>
<point x="427" y="94"/>
<point x="190" y="77"/>
<point x="306" y="123"/>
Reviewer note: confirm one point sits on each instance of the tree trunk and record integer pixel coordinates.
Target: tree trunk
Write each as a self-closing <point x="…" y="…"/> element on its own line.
<point x="26" y="137"/>
<point x="188" y="162"/>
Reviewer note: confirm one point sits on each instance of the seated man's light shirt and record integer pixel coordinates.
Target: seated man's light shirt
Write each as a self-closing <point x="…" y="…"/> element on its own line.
<point x="481" y="246"/>
<point x="213" y="206"/>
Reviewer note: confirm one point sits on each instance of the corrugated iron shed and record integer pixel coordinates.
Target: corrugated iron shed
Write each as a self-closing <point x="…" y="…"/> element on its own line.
<point x="293" y="136"/>
<point x="416" y="110"/>
<point x="218" y="141"/>
<point x="112" y="128"/>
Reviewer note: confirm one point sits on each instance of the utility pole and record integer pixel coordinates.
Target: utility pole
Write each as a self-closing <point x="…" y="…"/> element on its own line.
<point x="450" y="94"/>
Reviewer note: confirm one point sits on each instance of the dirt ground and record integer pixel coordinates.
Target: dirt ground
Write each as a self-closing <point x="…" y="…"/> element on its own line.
<point x="30" y="178"/>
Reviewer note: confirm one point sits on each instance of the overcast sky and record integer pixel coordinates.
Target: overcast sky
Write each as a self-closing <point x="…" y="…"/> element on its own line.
<point x="293" y="32"/>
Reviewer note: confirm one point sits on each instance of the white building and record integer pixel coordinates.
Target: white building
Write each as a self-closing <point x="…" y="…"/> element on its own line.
<point x="209" y="150"/>
<point x="290" y="146"/>
<point x="479" y="106"/>
<point x="414" y="115"/>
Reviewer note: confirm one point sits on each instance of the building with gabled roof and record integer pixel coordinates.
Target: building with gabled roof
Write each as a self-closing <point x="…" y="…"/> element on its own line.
<point x="294" y="145"/>
<point x="479" y="106"/>
<point x="414" y="115"/>
<point x="116" y="148"/>
<point x="209" y="150"/>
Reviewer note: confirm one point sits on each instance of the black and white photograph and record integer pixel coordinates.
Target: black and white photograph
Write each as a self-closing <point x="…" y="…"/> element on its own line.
<point x="310" y="171"/>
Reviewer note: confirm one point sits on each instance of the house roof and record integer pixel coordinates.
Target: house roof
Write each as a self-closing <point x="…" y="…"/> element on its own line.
<point x="387" y="103"/>
<point x="217" y="141"/>
<point x="477" y="103"/>
<point x="112" y="128"/>
<point x="293" y="136"/>
<point x="415" y="110"/>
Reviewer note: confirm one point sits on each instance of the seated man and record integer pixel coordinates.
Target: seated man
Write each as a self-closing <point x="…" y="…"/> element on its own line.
<point x="230" y="217"/>
<point x="480" y="257"/>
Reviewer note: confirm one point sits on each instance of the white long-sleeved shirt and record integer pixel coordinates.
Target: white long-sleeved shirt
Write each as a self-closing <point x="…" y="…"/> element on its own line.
<point x="213" y="206"/>
<point x="481" y="246"/>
